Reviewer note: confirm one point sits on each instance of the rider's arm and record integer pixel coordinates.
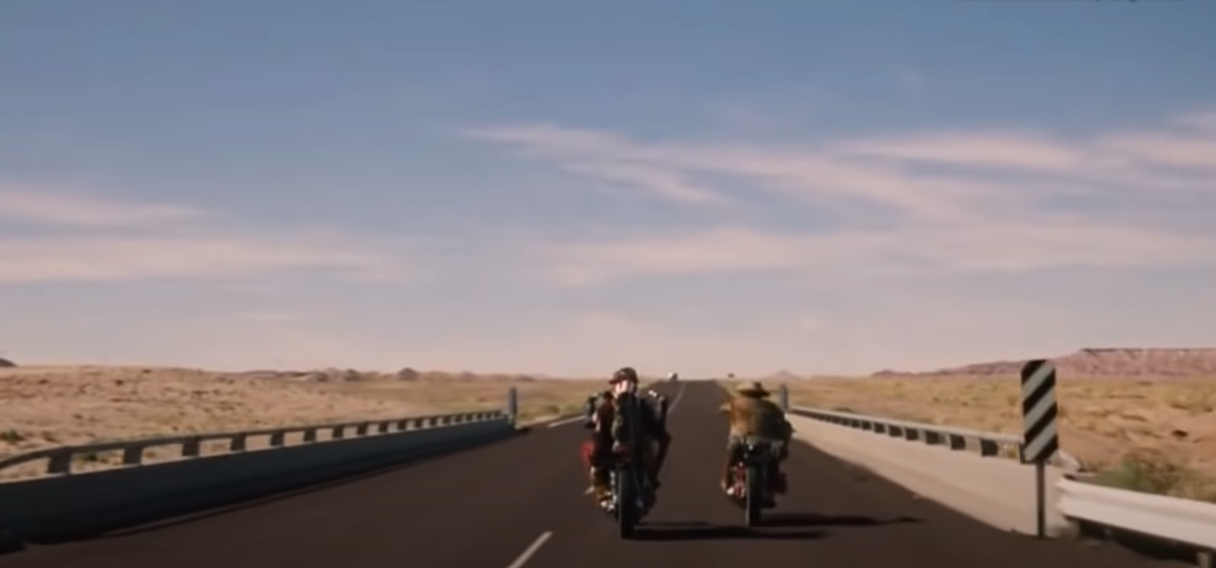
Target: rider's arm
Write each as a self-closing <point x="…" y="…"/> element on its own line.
<point x="605" y="414"/>
<point x="589" y="411"/>
<point x="657" y="425"/>
<point x="619" y="428"/>
<point x="725" y="408"/>
<point x="783" y="425"/>
<point x="660" y="406"/>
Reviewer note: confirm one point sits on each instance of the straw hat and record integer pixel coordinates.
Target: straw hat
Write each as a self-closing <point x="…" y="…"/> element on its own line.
<point x="752" y="388"/>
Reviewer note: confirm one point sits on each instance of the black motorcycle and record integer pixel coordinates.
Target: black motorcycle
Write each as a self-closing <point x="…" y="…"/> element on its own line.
<point x="632" y="494"/>
<point x="750" y="479"/>
<point x="631" y="497"/>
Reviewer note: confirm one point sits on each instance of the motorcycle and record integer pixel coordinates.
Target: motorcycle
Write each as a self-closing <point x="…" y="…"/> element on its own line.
<point x="750" y="480"/>
<point x="631" y="496"/>
<point x="631" y="491"/>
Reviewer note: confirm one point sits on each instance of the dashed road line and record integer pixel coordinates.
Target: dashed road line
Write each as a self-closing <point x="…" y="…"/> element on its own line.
<point x="528" y="552"/>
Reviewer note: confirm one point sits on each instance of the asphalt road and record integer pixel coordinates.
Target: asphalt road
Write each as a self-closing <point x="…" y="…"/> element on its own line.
<point x="522" y="503"/>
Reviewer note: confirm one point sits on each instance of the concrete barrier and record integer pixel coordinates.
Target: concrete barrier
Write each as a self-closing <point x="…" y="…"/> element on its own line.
<point x="998" y="492"/>
<point x="75" y="505"/>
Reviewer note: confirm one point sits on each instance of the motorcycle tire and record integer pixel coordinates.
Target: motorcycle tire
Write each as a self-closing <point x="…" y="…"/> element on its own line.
<point x="755" y="495"/>
<point x="626" y="503"/>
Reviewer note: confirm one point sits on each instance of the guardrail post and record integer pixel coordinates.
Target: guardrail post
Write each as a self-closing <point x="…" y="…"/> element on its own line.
<point x="513" y="404"/>
<point x="783" y="394"/>
<point x="60" y="462"/>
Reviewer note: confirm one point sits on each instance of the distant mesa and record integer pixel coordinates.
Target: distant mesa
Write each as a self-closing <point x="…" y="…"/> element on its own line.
<point x="1098" y="362"/>
<point x="781" y="376"/>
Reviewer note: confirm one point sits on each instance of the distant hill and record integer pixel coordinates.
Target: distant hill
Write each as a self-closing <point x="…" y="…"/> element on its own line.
<point x="1121" y="362"/>
<point x="407" y="374"/>
<point x="781" y="376"/>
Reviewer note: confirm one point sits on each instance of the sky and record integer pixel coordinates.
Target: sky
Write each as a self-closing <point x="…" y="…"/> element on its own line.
<point x="569" y="186"/>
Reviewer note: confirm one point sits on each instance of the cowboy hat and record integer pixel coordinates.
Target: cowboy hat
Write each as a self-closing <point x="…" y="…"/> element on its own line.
<point x="752" y="388"/>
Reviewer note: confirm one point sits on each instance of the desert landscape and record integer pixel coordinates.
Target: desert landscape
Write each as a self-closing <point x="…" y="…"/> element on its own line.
<point x="1141" y="419"/>
<point x="43" y="407"/>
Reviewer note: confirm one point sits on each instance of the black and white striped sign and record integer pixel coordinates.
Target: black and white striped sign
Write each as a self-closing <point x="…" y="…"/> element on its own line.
<point x="1039" y="411"/>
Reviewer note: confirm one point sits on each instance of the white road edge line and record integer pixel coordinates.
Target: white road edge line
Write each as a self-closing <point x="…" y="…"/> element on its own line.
<point x="565" y="421"/>
<point x="528" y="552"/>
<point x="679" y="397"/>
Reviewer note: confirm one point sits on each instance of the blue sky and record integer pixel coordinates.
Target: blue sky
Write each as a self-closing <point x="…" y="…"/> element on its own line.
<point x="569" y="186"/>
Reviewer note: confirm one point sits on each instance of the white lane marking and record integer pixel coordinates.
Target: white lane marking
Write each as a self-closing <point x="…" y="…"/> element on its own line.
<point x="679" y="397"/>
<point x="565" y="421"/>
<point x="523" y="558"/>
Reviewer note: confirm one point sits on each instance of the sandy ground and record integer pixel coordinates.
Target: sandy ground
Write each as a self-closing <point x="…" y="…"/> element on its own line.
<point x="44" y="407"/>
<point x="1156" y="435"/>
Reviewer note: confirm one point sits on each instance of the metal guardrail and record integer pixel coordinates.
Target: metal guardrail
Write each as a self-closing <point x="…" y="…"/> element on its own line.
<point x="1178" y="520"/>
<point x="60" y="459"/>
<point x="1183" y="521"/>
<point x="988" y="444"/>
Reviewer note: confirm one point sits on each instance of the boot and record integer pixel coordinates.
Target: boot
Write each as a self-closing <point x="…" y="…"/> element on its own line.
<point x="727" y="476"/>
<point x="599" y="486"/>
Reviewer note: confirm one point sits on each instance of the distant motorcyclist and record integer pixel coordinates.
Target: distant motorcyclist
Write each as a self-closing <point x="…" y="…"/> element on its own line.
<point x="645" y="434"/>
<point x="673" y="376"/>
<point x="753" y="416"/>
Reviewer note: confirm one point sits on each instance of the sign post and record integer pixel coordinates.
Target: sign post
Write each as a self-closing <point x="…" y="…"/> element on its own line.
<point x="1040" y="435"/>
<point x="513" y="405"/>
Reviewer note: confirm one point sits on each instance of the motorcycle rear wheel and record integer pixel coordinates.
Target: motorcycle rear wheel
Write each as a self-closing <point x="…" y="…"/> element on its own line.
<point x="626" y="503"/>
<point x="755" y="495"/>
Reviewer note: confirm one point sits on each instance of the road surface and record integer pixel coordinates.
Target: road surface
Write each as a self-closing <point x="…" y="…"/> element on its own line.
<point x="521" y="503"/>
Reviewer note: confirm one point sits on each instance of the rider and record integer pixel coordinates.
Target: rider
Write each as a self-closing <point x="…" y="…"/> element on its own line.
<point x="673" y="376"/>
<point x="610" y="431"/>
<point x="593" y="403"/>
<point x="753" y="416"/>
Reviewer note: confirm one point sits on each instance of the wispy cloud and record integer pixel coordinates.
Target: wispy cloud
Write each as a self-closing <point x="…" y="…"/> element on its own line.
<point x="135" y="258"/>
<point x="87" y="210"/>
<point x="602" y="157"/>
<point x="1197" y="120"/>
<point x="820" y="176"/>
<point x="212" y="250"/>
<point x="665" y="183"/>
<point x="270" y="317"/>
<point x="925" y="250"/>
<point x="970" y="201"/>
<point x="1158" y="160"/>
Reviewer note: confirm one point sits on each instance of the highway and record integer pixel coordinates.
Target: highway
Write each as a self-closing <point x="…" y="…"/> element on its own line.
<point x="521" y="503"/>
